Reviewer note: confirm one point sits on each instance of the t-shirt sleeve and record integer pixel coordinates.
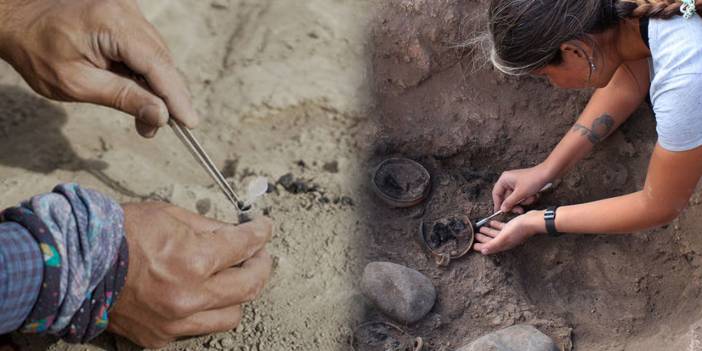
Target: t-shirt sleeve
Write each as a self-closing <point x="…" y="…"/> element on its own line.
<point x="677" y="104"/>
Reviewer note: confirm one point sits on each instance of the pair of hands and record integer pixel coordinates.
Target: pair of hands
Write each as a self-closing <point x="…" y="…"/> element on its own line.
<point x="514" y="188"/>
<point x="188" y="275"/>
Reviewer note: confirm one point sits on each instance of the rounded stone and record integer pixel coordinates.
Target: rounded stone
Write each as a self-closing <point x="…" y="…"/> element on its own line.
<point x="522" y="337"/>
<point x="401" y="293"/>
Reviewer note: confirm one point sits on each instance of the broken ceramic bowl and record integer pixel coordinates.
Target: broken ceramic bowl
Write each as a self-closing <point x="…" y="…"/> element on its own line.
<point x="447" y="238"/>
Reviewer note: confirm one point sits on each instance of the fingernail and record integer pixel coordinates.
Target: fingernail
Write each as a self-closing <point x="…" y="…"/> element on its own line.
<point x="153" y="114"/>
<point x="150" y="134"/>
<point x="194" y="120"/>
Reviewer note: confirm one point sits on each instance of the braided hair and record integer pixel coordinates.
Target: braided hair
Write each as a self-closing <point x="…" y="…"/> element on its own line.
<point x="663" y="9"/>
<point x="526" y="35"/>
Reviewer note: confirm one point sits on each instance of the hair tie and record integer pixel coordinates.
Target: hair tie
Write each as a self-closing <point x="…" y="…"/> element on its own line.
<point x="688" y="8"/>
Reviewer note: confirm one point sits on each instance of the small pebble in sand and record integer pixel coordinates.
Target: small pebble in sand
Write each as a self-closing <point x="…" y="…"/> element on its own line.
<point x="203" y="206"/>
<point x="403" y="294"/>
<point x="331" y="167"/>
<point x="522" y="337"/>
<point x="227" y="343"/>
<point x="296" y="186"/>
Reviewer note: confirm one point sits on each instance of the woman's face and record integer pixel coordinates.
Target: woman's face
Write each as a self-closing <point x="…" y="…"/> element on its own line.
<point x="576" y="71"/>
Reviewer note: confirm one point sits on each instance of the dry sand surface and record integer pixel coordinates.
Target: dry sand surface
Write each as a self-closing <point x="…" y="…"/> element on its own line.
<point x="281" y="87"/>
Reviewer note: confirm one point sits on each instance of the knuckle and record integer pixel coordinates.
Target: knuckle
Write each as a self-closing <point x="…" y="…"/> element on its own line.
<point x="163" y="56"/>
<point x="123" y="94"/>
<point x="172" y="330"/>
<point x="153" y="341"/>
<point x="70" y="86"/>
<point x="155" y="344"/>
<point x="236" y="320"/>
<point x="233" y="323"/>
<point x="267" y="228"/>
<point x="160" y="59"/>
<point x="201" y="265"/>
<point x="178" y="304"/>
<point x="254" y="289"/>
<point x="99" y="9"/>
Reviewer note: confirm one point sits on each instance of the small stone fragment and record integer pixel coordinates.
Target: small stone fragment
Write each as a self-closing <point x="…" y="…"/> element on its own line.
<point x="331" y="167"/>
<point x="403" y="294"/>
<point x="343" y="201"/>
<point x="296" y="186"/>
<point x="203" y="206"/>
<point x="227" y="343"/>
<point x="522" y="337"/>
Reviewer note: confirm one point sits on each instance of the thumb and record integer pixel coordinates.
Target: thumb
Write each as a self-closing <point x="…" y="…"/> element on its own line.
<point x="111" y="90"/>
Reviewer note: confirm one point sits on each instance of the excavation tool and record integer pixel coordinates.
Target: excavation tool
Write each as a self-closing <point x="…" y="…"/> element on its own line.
<point x="484" y="221"/>
<point x="256" y="189"/>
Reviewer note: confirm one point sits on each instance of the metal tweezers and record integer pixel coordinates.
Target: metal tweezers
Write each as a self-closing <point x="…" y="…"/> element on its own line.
<point x="187" y="137"/>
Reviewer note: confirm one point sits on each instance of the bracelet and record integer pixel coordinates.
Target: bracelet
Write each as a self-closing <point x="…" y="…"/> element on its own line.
<point x="550" y="219"/>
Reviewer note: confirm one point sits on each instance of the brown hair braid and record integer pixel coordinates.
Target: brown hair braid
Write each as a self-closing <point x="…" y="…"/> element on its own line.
<point x="526" y="35"/>
<point x="651" y="8"/>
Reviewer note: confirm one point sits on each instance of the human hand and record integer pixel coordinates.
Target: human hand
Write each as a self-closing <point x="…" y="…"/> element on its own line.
<point x="188" y="275"/>
<point x="497" y="236"/>
<point x="98" y="51"/>
<point x="518" y="187"/>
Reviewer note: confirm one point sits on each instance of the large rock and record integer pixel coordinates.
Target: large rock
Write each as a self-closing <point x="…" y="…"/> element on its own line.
<point x="521" y="337"/>
<point x="403" y="294"/>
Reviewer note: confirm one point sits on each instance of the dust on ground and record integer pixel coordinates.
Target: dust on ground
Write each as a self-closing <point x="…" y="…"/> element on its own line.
<point x="282" y="88"/>
<point x="467" y="125"/>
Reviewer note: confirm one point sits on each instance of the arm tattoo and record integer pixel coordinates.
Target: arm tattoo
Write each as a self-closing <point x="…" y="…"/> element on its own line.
<point x="601" y="128"/>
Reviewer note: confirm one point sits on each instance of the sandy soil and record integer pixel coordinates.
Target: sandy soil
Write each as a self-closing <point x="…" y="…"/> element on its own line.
<point x="466" y="125"/>
<point x="281" y="85"/>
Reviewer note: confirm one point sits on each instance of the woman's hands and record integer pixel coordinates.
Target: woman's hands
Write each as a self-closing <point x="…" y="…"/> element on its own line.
<point x="98" y="51"/>
<point x="497" y="236"/>
<point x="519" y="187"/>
<point x="514" y="188"/>
<point x="188" y="275"/>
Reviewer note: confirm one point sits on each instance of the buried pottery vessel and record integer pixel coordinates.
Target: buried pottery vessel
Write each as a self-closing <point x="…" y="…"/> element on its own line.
<point x="401" y="182"/>
<point x="447" y="238"/>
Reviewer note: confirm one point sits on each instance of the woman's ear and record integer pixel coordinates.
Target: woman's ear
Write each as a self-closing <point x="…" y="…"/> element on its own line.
<point x="571" y="48"/>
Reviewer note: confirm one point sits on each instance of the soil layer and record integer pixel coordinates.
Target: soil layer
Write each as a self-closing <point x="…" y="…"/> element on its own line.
<point x="441" y="105"/>
<point x="280" y="86"/>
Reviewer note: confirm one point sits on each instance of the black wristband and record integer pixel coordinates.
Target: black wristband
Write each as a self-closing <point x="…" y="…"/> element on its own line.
<point x="550" y="218"/>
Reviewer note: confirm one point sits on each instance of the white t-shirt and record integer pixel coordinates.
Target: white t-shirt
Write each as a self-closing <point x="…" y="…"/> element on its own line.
<point x="676" y="85"/>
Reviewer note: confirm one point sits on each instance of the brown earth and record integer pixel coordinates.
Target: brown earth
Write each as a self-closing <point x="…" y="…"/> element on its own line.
<point x="438" y="103"/>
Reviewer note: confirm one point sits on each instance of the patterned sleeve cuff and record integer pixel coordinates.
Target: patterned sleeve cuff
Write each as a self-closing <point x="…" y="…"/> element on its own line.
<point x="21" y="271"/>
<point x="81" y="236"/>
